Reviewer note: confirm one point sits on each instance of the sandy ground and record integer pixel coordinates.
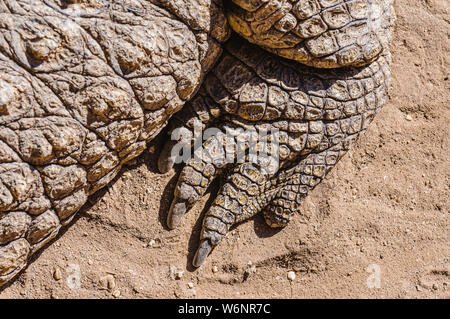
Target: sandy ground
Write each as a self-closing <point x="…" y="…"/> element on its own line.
<point x="377" y="227"/>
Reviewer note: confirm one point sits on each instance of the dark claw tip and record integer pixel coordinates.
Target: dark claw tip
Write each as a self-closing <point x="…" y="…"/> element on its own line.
<point x="164" y="166"/>
<point x="165" y="160"/>
<point x="176" y="212"/>
<point x="203" y="251"/>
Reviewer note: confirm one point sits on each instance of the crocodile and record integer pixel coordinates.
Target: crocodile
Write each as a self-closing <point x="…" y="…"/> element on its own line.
<point x="85" y="84"/>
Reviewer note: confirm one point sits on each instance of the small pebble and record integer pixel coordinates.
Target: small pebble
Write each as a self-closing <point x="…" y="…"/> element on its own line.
<point x="179" y="275"/>
<point x="108" y="282"/>
<point x="127" y="174"/>
<point x="116" y="294"/>
<point x="251" y="270"/>
<point x="291" y="275"/>
<point x="173" y="272"/>
<point x="215" y="269"/>
<point x="409" y="117"/>
<point x="151" y="243"/>
<point x="57" y="274"/>
<point x="190" y="285"/>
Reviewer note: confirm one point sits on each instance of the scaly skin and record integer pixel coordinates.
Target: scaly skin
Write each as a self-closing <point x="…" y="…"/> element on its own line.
<point x="320" y="33"/>
<point x="318" y="112"/>
<point x="84" y="84"/>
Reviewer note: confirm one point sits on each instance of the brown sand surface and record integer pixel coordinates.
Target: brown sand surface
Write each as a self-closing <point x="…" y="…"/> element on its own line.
<point x="384" y="208"/>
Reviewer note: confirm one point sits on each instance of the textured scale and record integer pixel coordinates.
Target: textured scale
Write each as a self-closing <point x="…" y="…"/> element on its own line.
<point x="320" y="33"/>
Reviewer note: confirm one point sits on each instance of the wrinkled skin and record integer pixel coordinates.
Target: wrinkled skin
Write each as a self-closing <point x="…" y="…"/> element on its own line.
<point x="319" y="33"/>
<point x="318" y="112"/>
<point x="84" y="84"/>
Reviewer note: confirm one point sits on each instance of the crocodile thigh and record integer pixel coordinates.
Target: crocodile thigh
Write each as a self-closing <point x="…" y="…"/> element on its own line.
<point x="83" y="86"/>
